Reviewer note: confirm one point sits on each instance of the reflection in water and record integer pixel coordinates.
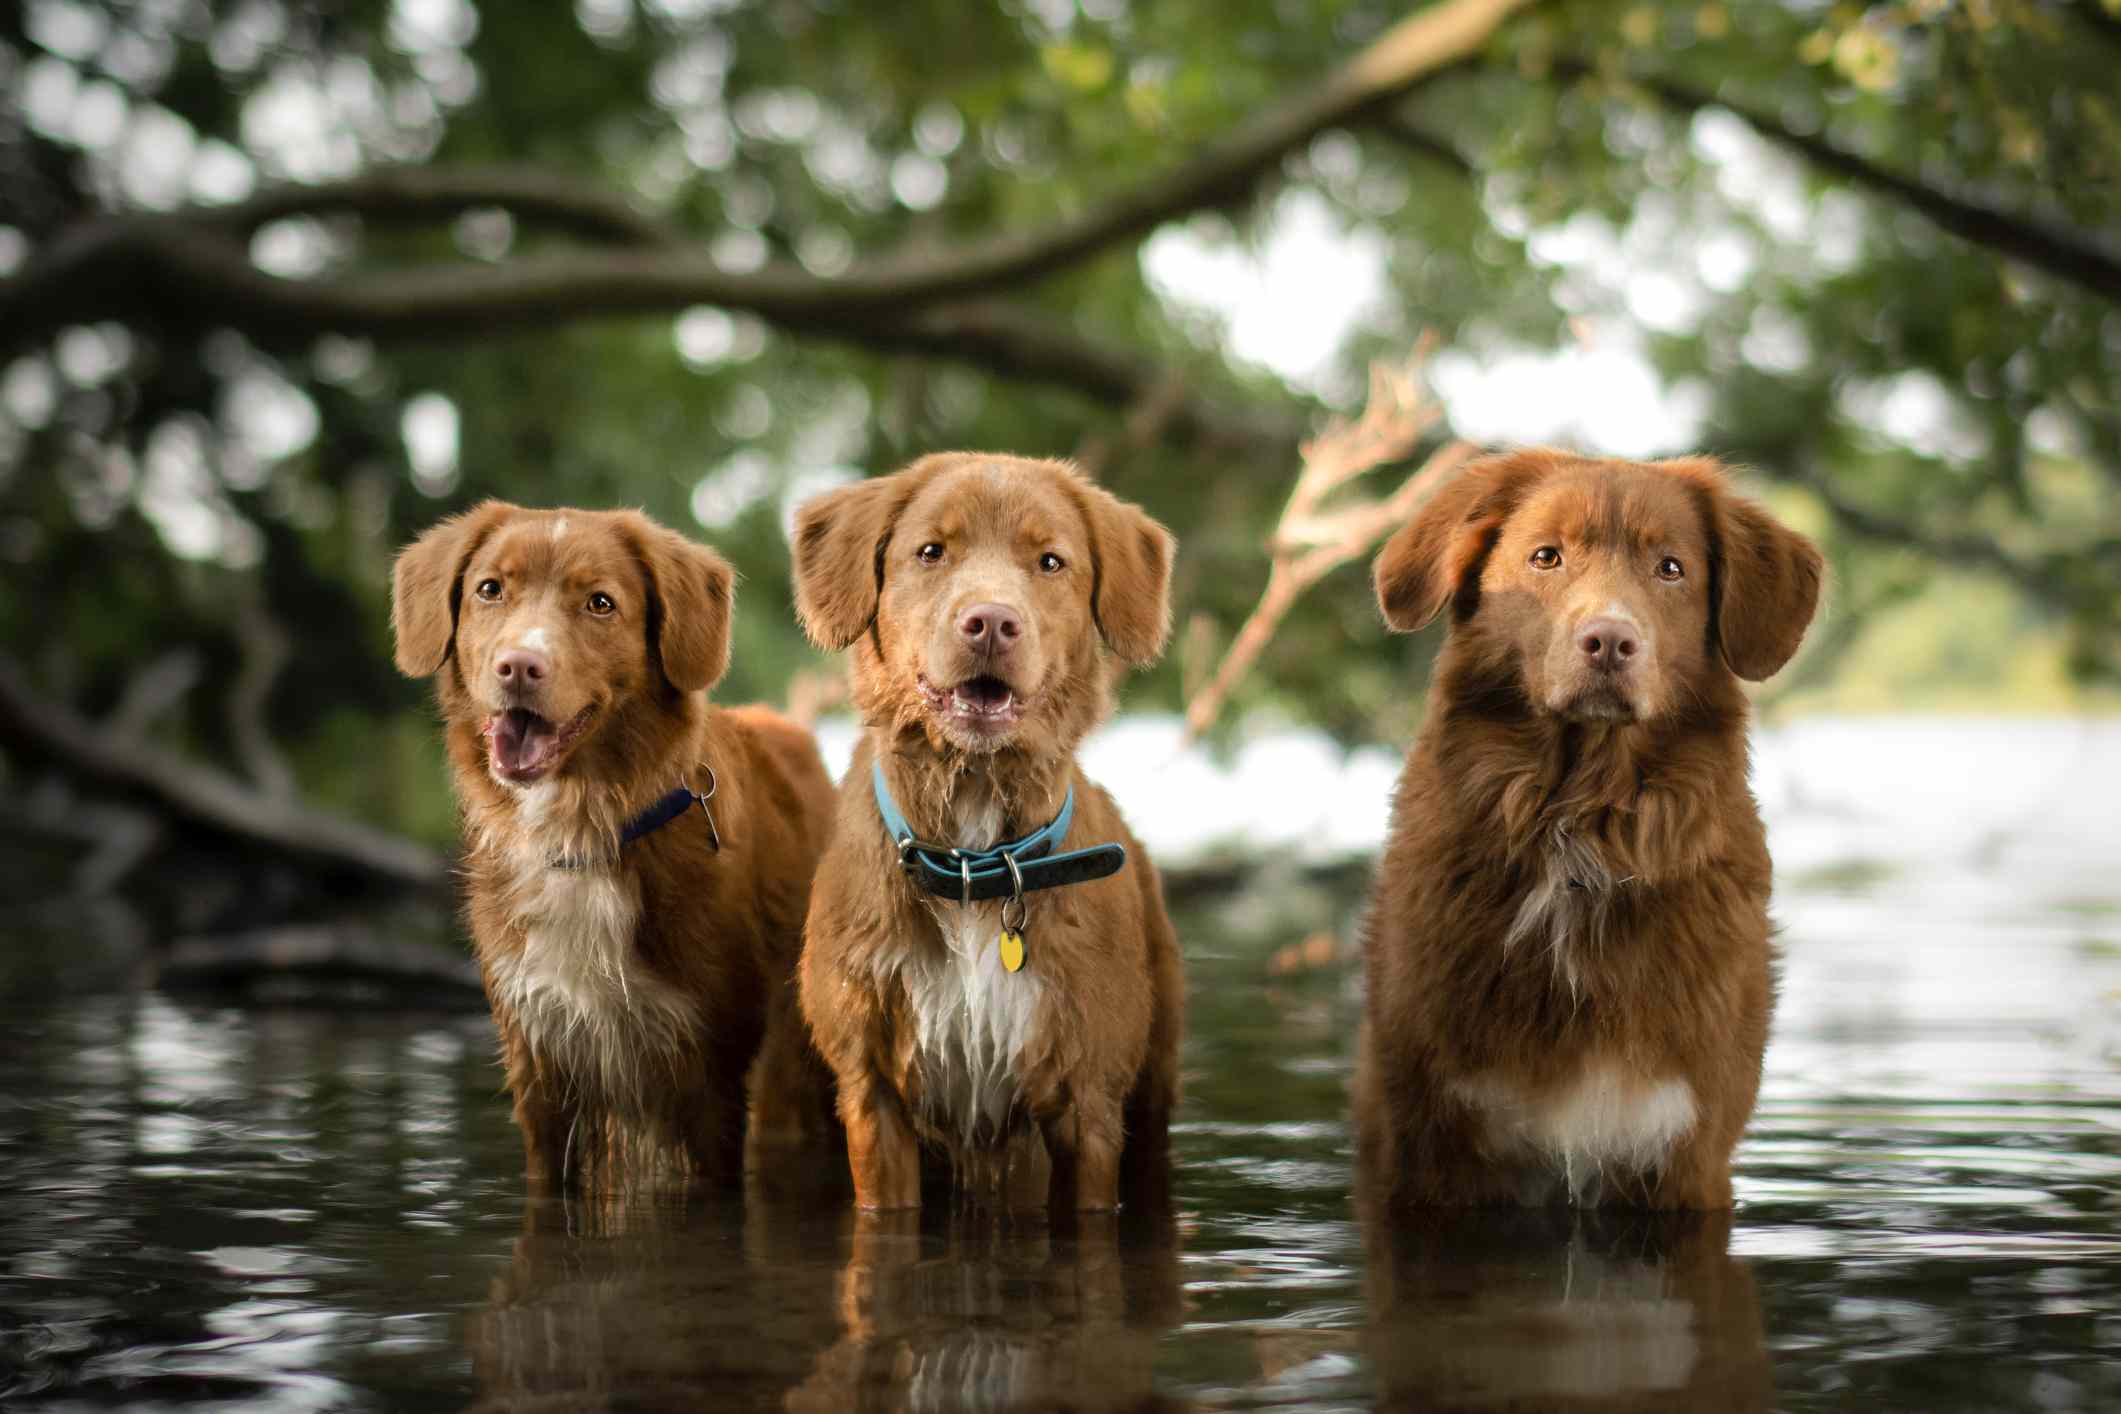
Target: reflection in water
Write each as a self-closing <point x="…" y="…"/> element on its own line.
<point x="1563" y="1310"/>
<point x="289" y="1208"/>
<point x="653" y="1303"/>
<point x="779" y="1305"/>
<point x="998" y="1313"/>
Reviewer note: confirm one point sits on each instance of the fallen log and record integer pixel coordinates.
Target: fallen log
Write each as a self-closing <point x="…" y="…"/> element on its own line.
<point x="350" y="950"/>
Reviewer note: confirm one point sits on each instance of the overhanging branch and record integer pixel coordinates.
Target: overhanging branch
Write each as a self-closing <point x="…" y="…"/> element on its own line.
<point x="1018" y="342"/>
<point x="2035" y="577"/>
<point x="409" y="194"/>
<point x="185" y="265"/>
<point x="2066" y="255"/>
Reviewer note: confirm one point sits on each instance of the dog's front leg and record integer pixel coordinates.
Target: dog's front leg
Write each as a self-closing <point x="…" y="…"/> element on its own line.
<point x="712" y="1121"/>
<point x="547" y="1127"/>
<point x="1695" y="1178"/>
<point x="883" y="1155"/>
<point x="1083" y="1139"/>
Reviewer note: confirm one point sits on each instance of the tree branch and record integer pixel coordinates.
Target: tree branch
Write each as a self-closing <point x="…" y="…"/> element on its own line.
<point x="1018" y="342"/>
<point x="153" y="692"/>
<point x="1943" y="546"/>
<point x="206" y="797"/>
<point x="410" y="194"/>
<point x="1416" y="139"/>
<point x="1313" y="538"/>
<point x="2067" y="255"/>
<point x="184" y="265"/>
<point x="265" y="651"/>
<point x="2100" y="16"/>
<point x="349" y="948"/>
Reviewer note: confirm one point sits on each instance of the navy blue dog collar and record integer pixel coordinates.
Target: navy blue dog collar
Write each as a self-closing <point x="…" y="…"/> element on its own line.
<point x="665" y="809"/>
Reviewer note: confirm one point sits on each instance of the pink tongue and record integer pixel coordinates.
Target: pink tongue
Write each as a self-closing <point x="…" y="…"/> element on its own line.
<point x="521" y="740"/>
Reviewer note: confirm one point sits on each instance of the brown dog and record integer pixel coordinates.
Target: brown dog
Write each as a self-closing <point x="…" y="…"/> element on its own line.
<point x="990" y="602"/>
<point x="638" y="944"/>
<point x="1568" y="953"/>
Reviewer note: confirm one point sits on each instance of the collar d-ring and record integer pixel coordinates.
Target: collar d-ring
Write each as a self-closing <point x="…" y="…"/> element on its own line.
<point x="1016" y="897"/>
<point x="714" y="833"/>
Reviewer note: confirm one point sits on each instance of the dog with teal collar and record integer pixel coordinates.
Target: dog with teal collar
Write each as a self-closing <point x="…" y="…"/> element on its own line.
<point x="989" y="604"/>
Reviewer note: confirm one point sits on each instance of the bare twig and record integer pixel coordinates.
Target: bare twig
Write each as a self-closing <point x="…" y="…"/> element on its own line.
<point x="1314" y="538"/>
<point x="1161" y="403"/>
<point x="154" y="692"/>
<point x="812" y="692"/>
<point x="266" y="650"/>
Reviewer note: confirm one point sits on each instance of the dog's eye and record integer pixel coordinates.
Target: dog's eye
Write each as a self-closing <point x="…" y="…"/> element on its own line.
<point x="1670" y="569"/>
<point x="601" y="604"/>
<point x="1546" y="557"/>
<point x="488" y="589"/>
<point x="1050" y="563"/>
<point x="930" y="552"/>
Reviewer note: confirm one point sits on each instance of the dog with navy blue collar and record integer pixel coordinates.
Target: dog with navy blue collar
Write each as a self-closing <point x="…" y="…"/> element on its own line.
<point x="988" y="967"/>
<point x="637" y="858"/>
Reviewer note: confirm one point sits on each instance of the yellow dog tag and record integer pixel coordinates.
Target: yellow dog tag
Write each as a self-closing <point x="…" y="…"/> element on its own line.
<point x="1012" y="950"/>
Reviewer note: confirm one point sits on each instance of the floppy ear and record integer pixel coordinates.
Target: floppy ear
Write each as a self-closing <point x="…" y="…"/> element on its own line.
<point x="1765" y="585"/>
<point x="1429" y="559"/>
<point x="691" y="593"/>
<point x="1130" y="574"/>
<point x="839" y="544"/>
<point x="428" y="581"/>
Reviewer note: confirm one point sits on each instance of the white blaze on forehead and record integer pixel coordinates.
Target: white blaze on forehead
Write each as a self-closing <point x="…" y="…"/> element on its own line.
<point x="559" y="528"/>
<point x="537" y="641"/>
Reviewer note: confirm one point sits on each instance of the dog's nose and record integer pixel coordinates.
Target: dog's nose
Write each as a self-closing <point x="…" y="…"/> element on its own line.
<point x="521" y="668"/>
<point x="1610" y="644"/>
<point x="991" y="628"/>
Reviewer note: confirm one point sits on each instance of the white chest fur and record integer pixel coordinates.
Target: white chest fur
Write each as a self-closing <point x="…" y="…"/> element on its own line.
<point x="1606" y="1121"/>
<point x="588" y="1006"/>
<point x="973" y="1018"/>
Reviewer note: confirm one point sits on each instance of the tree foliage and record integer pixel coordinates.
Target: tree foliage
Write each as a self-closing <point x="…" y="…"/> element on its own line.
<point x="281" y="283"/>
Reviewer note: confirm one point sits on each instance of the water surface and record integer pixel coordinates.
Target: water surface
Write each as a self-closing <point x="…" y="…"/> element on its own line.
<point x="319" y="1207"/>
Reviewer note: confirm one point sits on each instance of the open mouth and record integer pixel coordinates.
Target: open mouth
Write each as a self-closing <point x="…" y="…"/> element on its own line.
<point x="984" y="703"/>
<point x="522" y="745"/>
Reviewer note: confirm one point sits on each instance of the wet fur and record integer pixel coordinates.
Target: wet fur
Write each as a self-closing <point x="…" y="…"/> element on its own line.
<point x="1568" y="954"/>
<point x="633" y="993"/>
<point x="931" y="1041"/>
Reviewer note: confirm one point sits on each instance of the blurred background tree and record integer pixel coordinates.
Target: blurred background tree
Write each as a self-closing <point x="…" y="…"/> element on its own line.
<point x="281" y="283"/>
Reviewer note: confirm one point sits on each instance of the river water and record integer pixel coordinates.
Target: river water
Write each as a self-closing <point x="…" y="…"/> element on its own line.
<point x="318" y="1205"/>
